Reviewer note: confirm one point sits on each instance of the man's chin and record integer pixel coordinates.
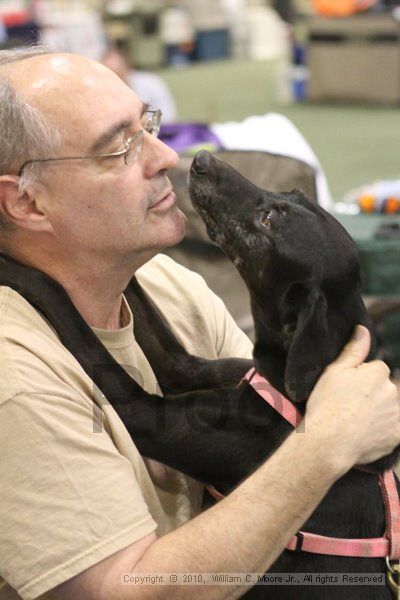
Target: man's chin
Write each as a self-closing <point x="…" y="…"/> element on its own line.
<point x="173" y="230"/>
<point x="180" y="229"/>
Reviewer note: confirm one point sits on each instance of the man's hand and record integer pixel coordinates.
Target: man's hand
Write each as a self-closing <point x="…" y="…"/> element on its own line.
<point x="359" y="401"/>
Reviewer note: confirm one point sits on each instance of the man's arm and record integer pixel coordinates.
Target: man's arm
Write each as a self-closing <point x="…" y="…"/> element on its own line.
<point x="353" y="416"/>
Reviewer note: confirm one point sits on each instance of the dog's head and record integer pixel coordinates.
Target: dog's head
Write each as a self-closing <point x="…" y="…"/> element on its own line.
<point x="299" y="264"/>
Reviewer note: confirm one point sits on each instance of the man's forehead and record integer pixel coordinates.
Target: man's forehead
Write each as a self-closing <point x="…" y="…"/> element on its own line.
<point x="70" y="87"/>
<point x="45" y="70"/>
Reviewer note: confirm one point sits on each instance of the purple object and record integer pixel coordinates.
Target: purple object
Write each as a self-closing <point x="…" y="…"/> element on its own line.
<point x="183" y="137"/>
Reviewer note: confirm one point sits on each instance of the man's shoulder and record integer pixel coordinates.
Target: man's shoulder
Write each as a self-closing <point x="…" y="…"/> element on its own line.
<point x="165" y="279"/>
<point x="164" y="266"/>
<point x="32" y="358"/>
<point x="19" y="320"/>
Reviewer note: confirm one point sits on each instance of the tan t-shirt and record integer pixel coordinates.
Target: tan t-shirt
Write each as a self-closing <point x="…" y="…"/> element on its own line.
<point x="73" y="487"/>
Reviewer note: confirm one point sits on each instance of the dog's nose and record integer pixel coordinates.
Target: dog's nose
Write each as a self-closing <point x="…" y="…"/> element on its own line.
<point x="201" y="162"/>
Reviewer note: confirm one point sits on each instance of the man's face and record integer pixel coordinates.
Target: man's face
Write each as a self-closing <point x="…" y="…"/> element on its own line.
<point x="101" y="206"/>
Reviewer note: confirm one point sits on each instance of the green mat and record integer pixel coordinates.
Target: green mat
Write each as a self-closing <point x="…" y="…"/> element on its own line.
<point x="380" y="256"/>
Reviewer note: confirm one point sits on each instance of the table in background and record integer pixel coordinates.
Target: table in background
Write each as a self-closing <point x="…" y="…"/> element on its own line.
<point x="380" y="274"/>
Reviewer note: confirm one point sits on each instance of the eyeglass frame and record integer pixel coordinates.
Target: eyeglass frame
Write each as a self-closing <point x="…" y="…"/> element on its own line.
<point x="135" y="138"/>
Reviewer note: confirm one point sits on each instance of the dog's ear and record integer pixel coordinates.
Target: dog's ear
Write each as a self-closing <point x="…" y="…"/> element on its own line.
<point x="306" y="356"/>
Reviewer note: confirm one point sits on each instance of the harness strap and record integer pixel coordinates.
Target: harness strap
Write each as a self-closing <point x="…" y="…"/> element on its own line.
<point x="358" y="547"/>
<point x="392" y="508"/>
<point x="280" y="403"/>
<point x="386" y="546"/>
<point x="320" y="544"/>
<point x="214" y="493"/>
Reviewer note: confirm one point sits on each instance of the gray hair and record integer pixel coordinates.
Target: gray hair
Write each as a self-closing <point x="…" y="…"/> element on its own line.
<point x="24" y="132"/>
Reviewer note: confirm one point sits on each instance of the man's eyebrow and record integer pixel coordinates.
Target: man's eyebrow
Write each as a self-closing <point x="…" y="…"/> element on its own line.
<point x="109" y="135"/>
<point x="115" y="130"/>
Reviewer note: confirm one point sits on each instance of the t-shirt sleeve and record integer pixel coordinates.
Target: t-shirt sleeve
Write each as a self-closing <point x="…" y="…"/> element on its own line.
<point x="68" y="499"/>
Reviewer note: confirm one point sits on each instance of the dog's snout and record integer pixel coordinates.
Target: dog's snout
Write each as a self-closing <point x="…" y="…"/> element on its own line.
<point x="201" y="162"/>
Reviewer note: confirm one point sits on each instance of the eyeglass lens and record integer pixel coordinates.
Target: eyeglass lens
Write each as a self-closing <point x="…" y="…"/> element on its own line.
<point x="153" y="121"/>
<point x="134" y="148"/>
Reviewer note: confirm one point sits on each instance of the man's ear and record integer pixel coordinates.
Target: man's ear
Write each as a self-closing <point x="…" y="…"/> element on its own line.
<point x="21" y="209"/>
<point x="306" y="354"/>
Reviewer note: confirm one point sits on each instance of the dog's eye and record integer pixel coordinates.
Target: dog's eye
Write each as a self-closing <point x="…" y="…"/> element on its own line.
<point x="266" y="218"/>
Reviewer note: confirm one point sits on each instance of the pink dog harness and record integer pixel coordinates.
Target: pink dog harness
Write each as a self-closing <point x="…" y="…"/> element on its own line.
<point x="387" y="546"/>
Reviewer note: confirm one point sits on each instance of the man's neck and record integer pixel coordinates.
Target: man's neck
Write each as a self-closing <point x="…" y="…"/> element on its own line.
<point x="98" y="301"/>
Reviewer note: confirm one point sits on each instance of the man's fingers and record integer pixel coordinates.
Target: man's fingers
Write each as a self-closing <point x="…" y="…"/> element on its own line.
<point x="356" y="350"/>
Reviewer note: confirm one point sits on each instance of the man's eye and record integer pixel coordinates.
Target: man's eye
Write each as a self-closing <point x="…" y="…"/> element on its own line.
<point x="118" y="145"/>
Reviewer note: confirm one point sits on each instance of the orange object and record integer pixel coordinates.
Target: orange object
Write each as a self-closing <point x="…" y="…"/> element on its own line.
<point x="392" y="205"/>
<point x="341" y="8"/>
<point x="367" y="203"/>
<point x="15" y="18"/>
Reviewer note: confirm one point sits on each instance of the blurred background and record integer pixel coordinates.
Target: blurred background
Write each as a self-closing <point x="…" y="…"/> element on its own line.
<point x="312" y="81"/>
<point x="228" y="59"/>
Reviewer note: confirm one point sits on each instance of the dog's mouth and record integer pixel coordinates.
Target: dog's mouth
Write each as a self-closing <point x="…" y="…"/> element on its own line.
<point x="218" y="236"/>
<point x="211" y="186"/>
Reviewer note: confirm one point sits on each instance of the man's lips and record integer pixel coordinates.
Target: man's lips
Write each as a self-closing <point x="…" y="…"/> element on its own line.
<point x="168" y="199"/>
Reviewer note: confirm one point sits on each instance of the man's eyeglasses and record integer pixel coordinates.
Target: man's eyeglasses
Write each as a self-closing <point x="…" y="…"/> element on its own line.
<point x="132" y="145"/>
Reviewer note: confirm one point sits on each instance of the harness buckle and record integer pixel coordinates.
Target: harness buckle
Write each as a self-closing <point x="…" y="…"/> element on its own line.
<point x="393" y="577"/>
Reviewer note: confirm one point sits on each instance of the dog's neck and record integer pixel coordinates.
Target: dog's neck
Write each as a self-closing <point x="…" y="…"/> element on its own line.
<point x="291" y="361"/>
<point x="269" y="353"/>
<point x="270" y="363"/>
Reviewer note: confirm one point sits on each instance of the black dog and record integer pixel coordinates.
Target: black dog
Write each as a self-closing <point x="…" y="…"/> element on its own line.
<point x="302" y="271"/>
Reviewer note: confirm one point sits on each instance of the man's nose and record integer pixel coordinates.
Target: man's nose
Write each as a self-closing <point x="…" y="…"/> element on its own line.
<point x="157" y="156"/>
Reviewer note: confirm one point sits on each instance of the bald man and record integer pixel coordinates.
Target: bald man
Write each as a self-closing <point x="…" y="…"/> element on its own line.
<point x="85" y="197"/>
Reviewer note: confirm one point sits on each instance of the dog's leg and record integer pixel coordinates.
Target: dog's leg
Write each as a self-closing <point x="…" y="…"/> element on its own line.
<point x="176" y="370"/>
<point x="215" y="436"/>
